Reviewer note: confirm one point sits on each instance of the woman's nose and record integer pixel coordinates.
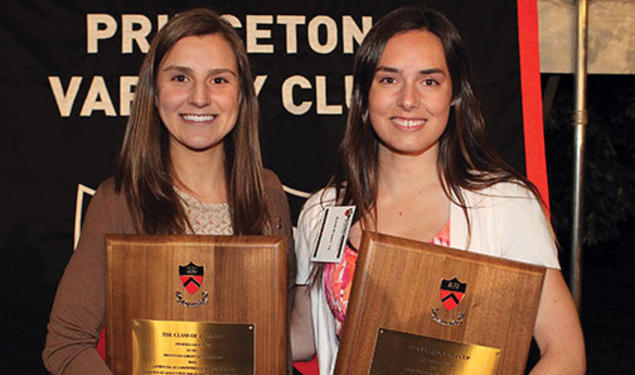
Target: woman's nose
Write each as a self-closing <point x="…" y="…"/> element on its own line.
<point x="199" y="94"/>
<point x="408" y="97"/>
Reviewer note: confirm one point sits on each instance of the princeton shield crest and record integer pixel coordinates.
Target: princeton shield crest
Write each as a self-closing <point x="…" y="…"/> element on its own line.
<point x="452" y="292"/>
<point x="191" y="277"/>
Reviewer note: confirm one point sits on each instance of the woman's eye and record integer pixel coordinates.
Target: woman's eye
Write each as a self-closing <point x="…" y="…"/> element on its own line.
<point x="387" y="80"/>
<point x="430" y="82"/>
<point x="219" y="80"/>
<point x="179" y="78"/>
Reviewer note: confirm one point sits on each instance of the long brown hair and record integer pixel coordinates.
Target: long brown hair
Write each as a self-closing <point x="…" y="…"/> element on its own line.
<point x="144" y="169"/>
<point x="466" y="160"/>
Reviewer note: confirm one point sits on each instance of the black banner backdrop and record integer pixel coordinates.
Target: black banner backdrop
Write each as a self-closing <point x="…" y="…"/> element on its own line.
<point x="68" y="75"/>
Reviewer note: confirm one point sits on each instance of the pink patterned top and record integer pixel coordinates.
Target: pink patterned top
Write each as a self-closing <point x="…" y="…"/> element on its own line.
<point x="338" y="277"/>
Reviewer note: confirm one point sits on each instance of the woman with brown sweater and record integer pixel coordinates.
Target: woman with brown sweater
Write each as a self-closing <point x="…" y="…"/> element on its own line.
<point x="190" y="164"/>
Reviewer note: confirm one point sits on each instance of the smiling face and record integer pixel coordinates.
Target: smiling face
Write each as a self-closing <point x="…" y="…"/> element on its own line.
<point x="410" y="95"/>
<point x="198" y="92"/>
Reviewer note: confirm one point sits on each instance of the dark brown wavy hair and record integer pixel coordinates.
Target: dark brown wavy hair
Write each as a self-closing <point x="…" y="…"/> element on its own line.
<point x="144" y="169"/>
<point x="466" y="161"/>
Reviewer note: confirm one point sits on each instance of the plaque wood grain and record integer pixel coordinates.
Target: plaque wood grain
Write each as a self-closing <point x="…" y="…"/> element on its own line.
<point x="397" y="284"/>
<point x="244" y="276"/>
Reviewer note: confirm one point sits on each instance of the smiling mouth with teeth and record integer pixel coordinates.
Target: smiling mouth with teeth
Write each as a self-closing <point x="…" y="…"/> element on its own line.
<point x="198" y="118"/>
<point x="407" y="123"/>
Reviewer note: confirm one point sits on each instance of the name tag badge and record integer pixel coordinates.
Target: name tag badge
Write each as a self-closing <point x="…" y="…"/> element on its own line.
<point x="333" y="234"/>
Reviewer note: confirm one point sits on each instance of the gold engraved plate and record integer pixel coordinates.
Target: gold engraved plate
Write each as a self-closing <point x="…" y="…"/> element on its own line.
<point x="403" y="353"/>
<point x="168" y="347"/>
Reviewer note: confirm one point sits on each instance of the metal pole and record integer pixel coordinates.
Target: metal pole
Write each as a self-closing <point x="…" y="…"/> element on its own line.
<point x="579" y="123"/>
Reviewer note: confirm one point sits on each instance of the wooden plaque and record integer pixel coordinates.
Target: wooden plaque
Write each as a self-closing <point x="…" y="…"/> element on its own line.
<point x="398" y="286"/>
<point x="243" y="282"/>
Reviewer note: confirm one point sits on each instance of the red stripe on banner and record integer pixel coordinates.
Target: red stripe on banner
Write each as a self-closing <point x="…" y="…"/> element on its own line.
<point x="535" y="160"/>
<point x="101" y="344"/>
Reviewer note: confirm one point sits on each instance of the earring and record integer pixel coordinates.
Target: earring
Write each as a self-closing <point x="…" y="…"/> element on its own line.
<point x="365" y="117"/>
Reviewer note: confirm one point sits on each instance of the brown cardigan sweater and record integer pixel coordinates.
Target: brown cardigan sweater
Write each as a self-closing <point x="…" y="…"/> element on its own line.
<point x="78" y="313"/>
